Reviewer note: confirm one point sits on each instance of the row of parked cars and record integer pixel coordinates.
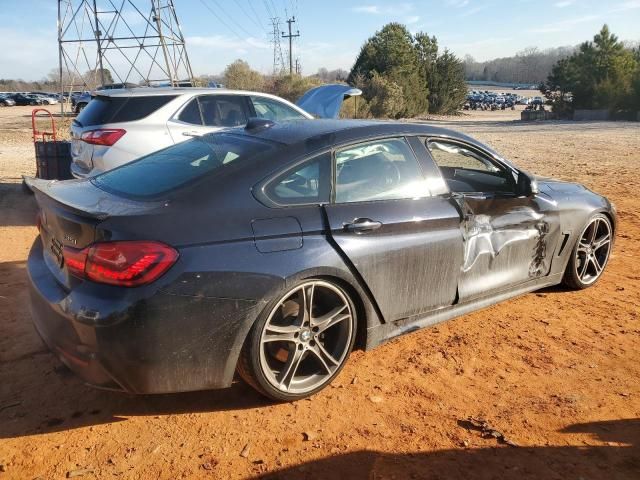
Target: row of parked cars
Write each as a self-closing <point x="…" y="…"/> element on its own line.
<point x="478" y="100"/>
<point x="10" y="99"/>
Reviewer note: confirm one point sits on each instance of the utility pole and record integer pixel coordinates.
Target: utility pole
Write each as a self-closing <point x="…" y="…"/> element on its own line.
<point x="291" y="36"/>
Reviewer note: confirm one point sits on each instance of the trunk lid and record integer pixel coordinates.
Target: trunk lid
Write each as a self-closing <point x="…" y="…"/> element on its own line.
<point x="70" y="215"/>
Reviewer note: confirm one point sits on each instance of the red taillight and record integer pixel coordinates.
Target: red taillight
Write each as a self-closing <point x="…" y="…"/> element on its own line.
<point x="127" y="264"/>
<point x="103" y="136"/>
<point x="75" y="260"/>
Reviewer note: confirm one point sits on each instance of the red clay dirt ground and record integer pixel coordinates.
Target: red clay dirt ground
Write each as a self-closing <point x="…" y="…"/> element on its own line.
<point x="555" y="372"/>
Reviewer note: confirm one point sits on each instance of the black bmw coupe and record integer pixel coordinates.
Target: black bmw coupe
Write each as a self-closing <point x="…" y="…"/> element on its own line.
<point x="275" y="249"/>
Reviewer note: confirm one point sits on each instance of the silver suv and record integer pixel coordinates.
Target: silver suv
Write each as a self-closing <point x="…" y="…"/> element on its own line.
<point x="118" y="126"/>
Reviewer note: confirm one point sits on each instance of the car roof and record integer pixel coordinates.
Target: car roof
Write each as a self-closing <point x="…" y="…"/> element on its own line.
<point x="329" y="132"/>
<point x="151" y="91"/>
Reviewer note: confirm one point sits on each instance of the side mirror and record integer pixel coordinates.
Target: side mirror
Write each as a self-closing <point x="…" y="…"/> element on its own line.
<point x="527" y="185"/>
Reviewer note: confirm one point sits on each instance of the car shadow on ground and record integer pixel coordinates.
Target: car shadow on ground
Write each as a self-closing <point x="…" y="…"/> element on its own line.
<point x="59" y="401"/>
<point x="617" y="457"/>
<point x="38" y="394"/>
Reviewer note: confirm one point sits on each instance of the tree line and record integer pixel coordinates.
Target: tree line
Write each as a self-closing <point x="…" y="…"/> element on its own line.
<point x="529" y="66"/>
<point x="600" y="74"/>
<point x="400" y="75"/>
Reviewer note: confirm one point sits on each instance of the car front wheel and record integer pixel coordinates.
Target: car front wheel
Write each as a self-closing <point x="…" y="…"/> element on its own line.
<point x="590" y="254"/>
<point x="300" y="342"/>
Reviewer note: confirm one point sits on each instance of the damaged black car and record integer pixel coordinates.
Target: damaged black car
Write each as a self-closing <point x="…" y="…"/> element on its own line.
<point x="275" y="249"/>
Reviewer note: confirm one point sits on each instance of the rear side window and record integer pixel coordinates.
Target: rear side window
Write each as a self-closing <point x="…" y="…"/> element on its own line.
<point x="176" y="166"/>
<point x="191" y="113"/>
<point x="303" y="184"/>
<point x="105" y="109"/>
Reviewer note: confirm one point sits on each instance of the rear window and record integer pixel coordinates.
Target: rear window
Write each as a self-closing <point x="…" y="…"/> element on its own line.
<point x="176" y="166"/>
<point x="105" y="109"/>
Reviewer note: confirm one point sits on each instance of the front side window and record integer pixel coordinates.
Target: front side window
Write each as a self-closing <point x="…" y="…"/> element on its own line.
<point x="219" y="111"/>
<point x="379" y="170"/>
<point x="270" y="109"/>
<point x="303" y="184"/>
<point x="467" y="170"/>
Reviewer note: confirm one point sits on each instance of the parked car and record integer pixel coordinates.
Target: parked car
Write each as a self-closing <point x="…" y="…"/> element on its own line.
<point x="80" y="100"/>
<point x="46" y="99"/>
<point x="119" y="126"/>
<point x="25" y="99"/>
<point x="117" y="86"/>
<point x="6" y="101"/>
<point x="277" y="248"/>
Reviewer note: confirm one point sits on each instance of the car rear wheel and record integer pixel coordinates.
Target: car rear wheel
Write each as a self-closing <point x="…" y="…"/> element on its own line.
<point x="590" y="254"/>
<point x="300" y="342"/>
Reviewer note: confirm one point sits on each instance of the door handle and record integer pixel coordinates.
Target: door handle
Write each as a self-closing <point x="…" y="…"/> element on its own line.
<point x="192" y="134"/>
<point x="361" y="225"/>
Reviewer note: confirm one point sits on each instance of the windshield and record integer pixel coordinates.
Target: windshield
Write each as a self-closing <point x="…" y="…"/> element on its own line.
<point x="174" y="167"/>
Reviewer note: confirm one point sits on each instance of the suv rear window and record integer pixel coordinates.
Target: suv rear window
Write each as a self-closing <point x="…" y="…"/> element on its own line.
<point x="174" y="167"/>
<point x="106" y="109"/>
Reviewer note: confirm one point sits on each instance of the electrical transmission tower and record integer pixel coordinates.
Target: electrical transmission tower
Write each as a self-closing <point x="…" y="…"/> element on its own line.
<point x="291" y="36"/>
<point x="122" y="41"/>
<point x="278" y="58"/>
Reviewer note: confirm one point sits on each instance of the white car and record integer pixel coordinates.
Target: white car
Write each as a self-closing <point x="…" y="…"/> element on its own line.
<point x="118" y="126"/>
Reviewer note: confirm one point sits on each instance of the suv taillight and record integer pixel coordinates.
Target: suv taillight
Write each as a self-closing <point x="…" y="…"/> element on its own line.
<point x="126" y="264"/>
<point x="103" y="136"/>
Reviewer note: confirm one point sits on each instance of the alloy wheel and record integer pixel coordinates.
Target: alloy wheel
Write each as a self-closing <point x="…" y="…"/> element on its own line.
<point x="306" y="338"/>
<point x="593" y="250"/>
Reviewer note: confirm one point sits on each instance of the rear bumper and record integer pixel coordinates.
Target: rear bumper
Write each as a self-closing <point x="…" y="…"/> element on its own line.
<point x="135" y="340"/>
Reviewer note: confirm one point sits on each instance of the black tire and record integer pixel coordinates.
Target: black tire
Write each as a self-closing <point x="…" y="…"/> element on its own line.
<point x="249" y="363"/>
<point x="572" y="278"/>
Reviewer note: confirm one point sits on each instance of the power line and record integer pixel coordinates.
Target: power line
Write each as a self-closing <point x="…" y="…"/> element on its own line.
<point x="269" y="12"/>
<point x="254" y="11"/>
<point x="258" y="23"/>
<point x="232" y="30"/>
<point x="232" y="19"/>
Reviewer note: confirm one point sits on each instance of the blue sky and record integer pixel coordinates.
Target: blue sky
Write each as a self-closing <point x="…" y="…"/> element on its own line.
<point x="332" y="31"/>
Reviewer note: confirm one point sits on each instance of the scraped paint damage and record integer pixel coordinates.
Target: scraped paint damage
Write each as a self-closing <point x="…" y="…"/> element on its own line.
<point x="502" y="248"/>
<point x="484" y="235"/>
